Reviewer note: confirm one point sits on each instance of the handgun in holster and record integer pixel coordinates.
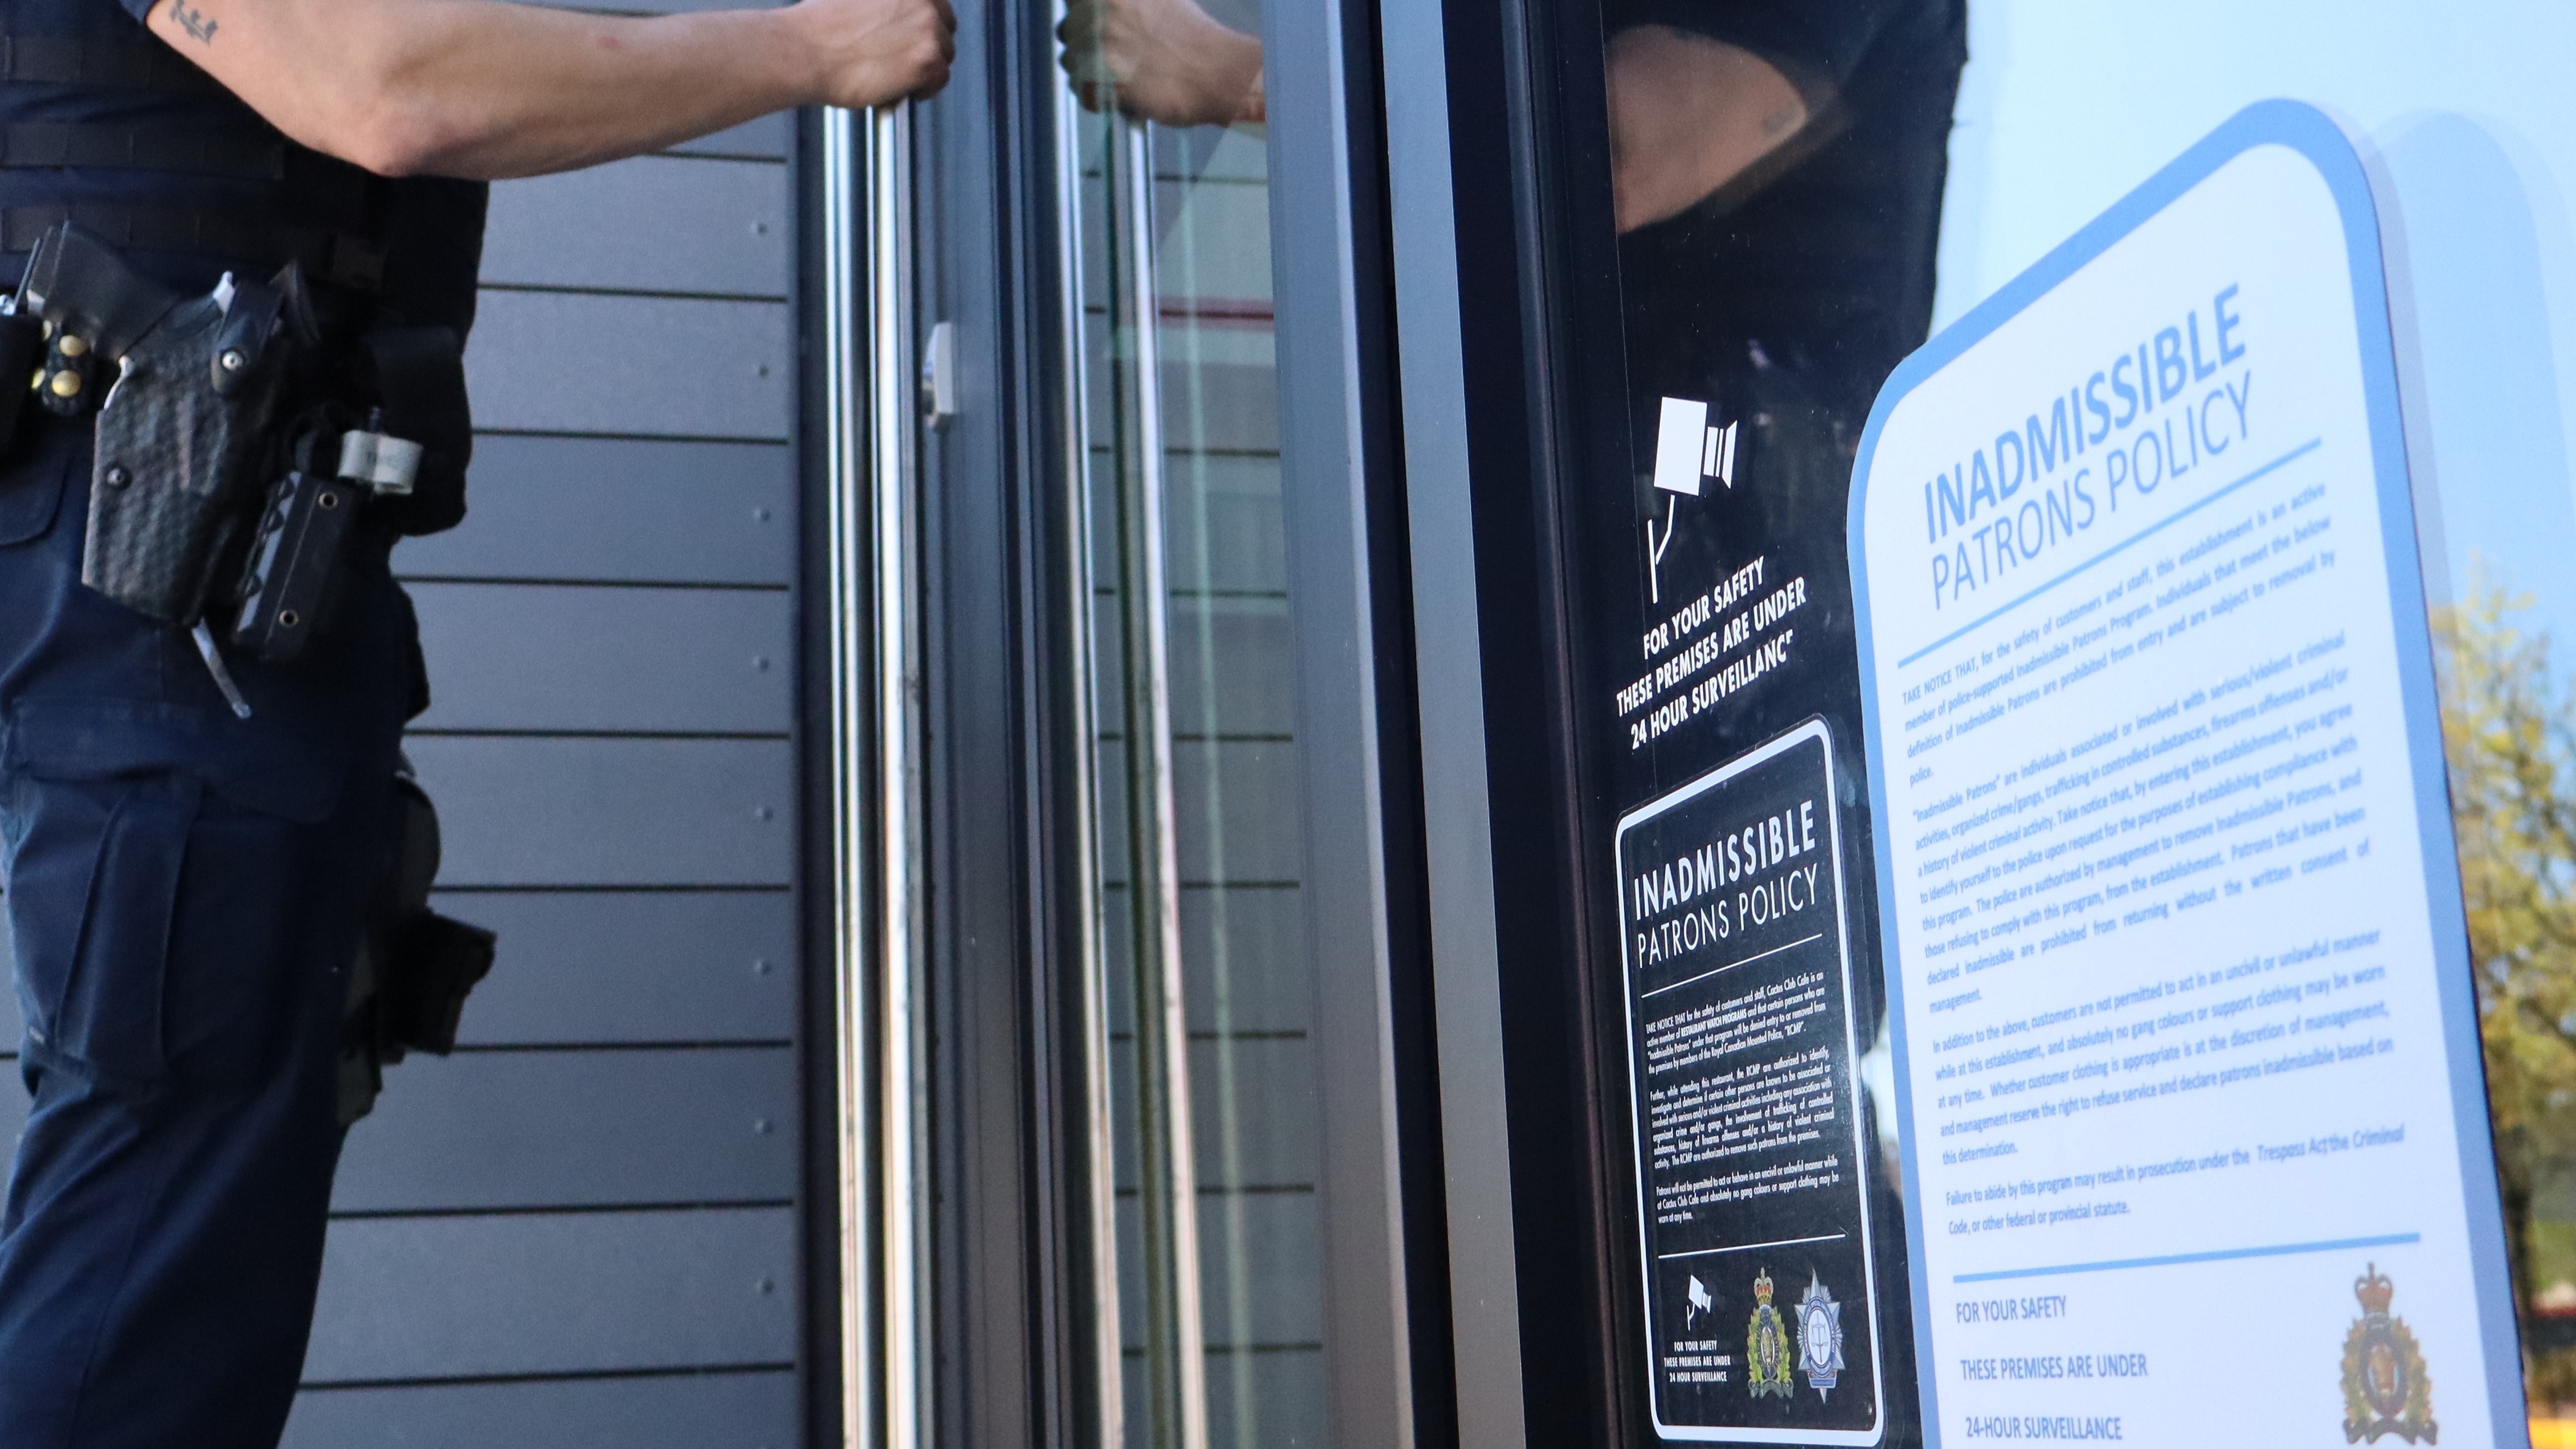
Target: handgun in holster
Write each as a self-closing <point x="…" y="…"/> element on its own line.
<point x="415" y="967"/>
<point x="191" y="385"/>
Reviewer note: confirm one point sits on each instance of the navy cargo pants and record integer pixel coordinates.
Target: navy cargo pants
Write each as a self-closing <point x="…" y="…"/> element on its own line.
<point x="184" y="894"/>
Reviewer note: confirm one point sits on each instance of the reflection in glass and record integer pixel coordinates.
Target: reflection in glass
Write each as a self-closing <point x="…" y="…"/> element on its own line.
<point x="1208" y="998"/>
<point x="1777" y="175"/>
<point x="1164" y="61"/>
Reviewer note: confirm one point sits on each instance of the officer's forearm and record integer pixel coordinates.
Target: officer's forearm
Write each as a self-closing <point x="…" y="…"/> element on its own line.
<point x="1687" y="115"/>
<point x="486" y="89"/>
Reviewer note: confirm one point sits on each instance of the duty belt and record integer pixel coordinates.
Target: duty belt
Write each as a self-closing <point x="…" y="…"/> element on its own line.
<point x="334" y="256"/>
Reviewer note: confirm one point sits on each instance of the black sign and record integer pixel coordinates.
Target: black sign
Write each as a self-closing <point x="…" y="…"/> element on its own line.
<point x="1753" y="1202"/>
<point x="1746" y="919"/>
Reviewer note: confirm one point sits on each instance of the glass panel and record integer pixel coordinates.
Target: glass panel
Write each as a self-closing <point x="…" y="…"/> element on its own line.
<point x="1801" y="195"/>
<point x="1210" y="1099"/>
<point x="1768" y="216"/>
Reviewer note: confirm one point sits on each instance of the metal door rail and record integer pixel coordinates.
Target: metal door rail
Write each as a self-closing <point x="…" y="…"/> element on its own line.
<point x="871" y="520"/>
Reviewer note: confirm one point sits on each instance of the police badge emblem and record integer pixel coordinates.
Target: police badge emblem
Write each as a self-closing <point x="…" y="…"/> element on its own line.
<point x="1820" y="1336"/>
<point x="2385" y="1388"/>
<point x="1766" y="1345"/>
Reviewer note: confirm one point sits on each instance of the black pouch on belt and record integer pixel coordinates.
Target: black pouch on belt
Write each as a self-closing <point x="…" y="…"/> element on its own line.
<point x="291" y="576"/>
<point x="415" y="967"/>
<point x="184" y="428"/>
<point x="430" y="962"/>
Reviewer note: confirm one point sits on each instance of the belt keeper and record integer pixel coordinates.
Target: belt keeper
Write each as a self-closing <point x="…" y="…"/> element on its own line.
<point x="380" y="461"/>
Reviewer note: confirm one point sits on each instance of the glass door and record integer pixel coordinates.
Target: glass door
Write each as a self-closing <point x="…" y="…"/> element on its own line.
<point x="1123" y="982"/>
<point x="1200" y="1001"/>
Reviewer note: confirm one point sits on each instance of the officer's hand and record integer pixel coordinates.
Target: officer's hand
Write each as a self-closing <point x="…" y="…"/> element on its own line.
<point x="878" y="52"/>
<point x="1161" y="60"/>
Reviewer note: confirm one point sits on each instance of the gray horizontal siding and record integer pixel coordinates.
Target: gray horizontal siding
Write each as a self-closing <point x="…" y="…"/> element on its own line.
<point x="1275" y="1400"/>
<point x="538" y="811"/>
<point x="1232" y="672"/>
<point x="663" y="223"/>
<point x="1270" y="1084"/>
<point x="1251" y="942"/>
<point x="1236" y="811"/>
<point x="1226" y="531"/>
<point x="1224" y="408"/>
<point x="618" y="967"/>
<point x="616" y="510"/>
<point x="1270" y="1239"/>
<point x="574" y="362"/>
<point x="1271" y="1397"/>
<point x="554" y="1293"/>
<point x="765" y="138"/>
<point x="754" y="1410"/>
<point x="575" y="1231"/>
<point x="577" y="1129"/>
<point x="632" y="966"/>
<point x="540" y="657"/>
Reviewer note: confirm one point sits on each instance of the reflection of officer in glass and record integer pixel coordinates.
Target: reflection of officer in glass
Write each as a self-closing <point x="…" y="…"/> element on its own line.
<point x="1778" y="170"/>
<point x="1777" y="177"/>
<point x="1778" y="167"/>
<point x="1166" y="61"/>
<point x="186" y="884"/>
<point x="1820" y="126"/>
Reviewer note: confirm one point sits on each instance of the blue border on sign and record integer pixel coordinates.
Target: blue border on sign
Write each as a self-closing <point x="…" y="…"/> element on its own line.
<point x="2316" y="137"/>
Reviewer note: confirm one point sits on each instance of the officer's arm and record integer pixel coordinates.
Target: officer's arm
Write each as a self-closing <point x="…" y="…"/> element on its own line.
<point x="1687" y="115"/>
<point x="488" y="89"/>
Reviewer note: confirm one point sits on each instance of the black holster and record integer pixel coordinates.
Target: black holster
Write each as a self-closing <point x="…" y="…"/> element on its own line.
<point x="183" y="433"/>
<point x="235" y="449"/>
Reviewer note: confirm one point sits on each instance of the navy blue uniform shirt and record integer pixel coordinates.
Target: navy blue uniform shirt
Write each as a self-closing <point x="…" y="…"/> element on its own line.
<point x="429" y="228"/>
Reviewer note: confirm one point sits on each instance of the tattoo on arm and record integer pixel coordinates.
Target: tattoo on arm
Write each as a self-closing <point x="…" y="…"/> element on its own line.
<point x="199" y="28"/>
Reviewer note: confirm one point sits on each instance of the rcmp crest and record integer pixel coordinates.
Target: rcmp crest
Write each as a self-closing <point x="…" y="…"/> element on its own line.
<point x="2385" y="1388"/>
<point x="1766" y="1345"/>
<point x="1820" y="1336"/>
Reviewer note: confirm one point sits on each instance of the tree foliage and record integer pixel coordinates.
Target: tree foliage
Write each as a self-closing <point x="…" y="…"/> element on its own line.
<point x="2509" y="734"/>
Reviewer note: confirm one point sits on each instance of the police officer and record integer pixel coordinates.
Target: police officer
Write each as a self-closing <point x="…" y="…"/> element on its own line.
<point x="186" y="875"/>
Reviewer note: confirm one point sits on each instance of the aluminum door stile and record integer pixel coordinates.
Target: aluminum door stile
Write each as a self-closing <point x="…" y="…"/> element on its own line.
<point x="847" y="346"/>
<point x="1386" y="1314"/>
<point x="902" y="840"/>
<point x="1098" y="1348"/>
<point x="1484" y="163"/>
<point x="874" y="707"/>
<point x="1424" y="229"/>
<point x="1176" y="1345"/>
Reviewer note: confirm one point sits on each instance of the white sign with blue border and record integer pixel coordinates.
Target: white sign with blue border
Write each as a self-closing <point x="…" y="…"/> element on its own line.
<point x="2187" y="1060"/>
